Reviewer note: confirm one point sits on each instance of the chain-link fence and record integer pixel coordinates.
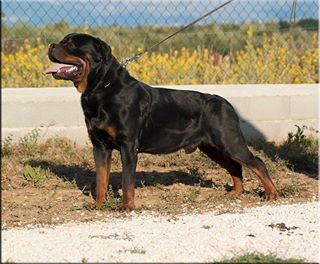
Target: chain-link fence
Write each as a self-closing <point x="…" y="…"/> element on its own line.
<point x="219" y="42"/>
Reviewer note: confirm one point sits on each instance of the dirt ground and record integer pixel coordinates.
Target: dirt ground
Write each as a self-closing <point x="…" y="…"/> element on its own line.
<point x="53" y="183"/>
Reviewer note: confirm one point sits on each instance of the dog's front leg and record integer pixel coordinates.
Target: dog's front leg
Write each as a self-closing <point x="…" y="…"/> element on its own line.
<point x="102" y="158"/>
<point x="129" y="158"/>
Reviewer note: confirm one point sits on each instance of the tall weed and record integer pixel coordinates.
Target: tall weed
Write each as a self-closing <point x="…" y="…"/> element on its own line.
<point x="28" y="143"/>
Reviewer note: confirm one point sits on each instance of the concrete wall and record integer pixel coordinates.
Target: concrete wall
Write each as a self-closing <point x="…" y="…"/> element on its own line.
<point x="266" y="111"/>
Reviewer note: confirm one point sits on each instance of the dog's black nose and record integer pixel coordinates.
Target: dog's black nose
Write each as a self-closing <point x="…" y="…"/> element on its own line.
<point x="53" y="45"/>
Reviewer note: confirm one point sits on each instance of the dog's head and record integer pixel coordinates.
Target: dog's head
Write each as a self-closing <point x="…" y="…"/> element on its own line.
<point x="76" y="56"/>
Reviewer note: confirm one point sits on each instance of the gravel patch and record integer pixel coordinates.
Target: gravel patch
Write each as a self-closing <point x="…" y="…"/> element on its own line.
<point x="286" y="231"/>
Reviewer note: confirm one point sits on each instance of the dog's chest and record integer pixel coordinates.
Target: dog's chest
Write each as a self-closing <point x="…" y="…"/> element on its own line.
<point x="90" y="107"/>
<point x="95" y="111"/>
<point x="97" y="117"/>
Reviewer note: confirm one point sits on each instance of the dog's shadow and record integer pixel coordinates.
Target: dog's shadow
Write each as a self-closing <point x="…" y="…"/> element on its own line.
<point x="84" y="178"/>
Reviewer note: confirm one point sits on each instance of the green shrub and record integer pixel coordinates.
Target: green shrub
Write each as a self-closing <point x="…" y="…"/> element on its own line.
<point x="112" y="201"/>
<point x="34" y="175"/>
<point x="301" y="151"/>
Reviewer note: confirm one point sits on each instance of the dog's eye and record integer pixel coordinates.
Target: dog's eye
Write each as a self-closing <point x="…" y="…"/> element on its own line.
<point x="71" y="45"/>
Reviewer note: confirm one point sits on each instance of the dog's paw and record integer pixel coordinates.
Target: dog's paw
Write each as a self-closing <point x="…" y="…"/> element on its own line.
<point x="127" y="206"/>
<point x="272" y="196"/>
<point x="99" y="204"/>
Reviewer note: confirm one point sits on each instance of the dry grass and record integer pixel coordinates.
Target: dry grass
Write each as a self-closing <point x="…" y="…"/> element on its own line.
<point x="55" y="182"/>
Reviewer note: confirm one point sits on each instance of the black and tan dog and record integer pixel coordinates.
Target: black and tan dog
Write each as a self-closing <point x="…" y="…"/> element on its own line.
<point x="127" y="115"/>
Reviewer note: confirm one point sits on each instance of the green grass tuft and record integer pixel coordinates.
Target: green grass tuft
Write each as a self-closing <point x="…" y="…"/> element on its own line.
<point x="112" y="201"/>
<point x="260" y="258"/>
<point x="34" y="175"/>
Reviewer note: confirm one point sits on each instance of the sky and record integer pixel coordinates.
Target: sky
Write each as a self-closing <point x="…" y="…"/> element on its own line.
<point x="150" y="12"/>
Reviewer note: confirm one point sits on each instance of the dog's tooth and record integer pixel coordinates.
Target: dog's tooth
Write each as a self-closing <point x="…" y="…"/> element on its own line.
<point x="72" y="69"/>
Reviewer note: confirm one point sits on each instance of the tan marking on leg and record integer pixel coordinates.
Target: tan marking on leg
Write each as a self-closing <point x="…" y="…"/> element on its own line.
<point x="102" y="181"/>
<point x="228" y="164"/>
<point x="237" y="188"/>
<point x="128" y="198"/>
<point x="270" y="190"/>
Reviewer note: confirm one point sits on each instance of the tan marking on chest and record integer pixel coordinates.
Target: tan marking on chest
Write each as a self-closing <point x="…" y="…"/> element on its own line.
<point x="111" y="131"/>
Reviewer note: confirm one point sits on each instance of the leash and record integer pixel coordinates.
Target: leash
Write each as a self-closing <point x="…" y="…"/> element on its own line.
<point x="138" y="55"/>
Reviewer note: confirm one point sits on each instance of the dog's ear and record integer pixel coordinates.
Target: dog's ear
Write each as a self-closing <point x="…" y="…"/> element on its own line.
<point x="105" y="51"/>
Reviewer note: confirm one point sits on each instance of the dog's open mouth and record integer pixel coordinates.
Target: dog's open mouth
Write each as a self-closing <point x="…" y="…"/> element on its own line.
<point x="64" y="71"/>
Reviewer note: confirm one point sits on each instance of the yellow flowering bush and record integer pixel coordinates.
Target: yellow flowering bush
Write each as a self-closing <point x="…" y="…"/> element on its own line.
<point x="24" y="67"/>
<point x="274" y="61"/>
<point x="178" y="67"/>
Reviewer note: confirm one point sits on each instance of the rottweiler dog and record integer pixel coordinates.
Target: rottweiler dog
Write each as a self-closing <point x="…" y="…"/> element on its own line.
<point x="125" y="114"/>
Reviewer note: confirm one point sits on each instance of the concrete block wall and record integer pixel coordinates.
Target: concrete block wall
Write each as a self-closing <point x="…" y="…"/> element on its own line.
<point x="267" y="112"/>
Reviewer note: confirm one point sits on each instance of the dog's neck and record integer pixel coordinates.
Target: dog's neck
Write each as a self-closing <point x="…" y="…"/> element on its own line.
<point x="115" y="71"/>
<point x="111" y="72"/>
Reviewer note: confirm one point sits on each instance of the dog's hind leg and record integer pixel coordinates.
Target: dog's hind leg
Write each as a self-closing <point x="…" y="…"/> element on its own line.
<point x="259" y="168"/>
<point x="233" y="167"/>
<point x="226" y="139"/>
<point x="241" y="154"/>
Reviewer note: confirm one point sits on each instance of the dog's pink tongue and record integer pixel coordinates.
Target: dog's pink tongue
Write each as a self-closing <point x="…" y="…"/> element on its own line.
<point x="56" y="67"/>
